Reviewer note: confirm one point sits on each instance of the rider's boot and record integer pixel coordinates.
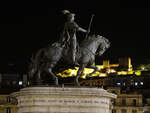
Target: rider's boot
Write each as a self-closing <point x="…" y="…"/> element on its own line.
<point x="74" y="63"/>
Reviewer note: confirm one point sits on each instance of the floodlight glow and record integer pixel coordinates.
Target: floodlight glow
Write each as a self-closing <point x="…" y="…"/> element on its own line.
<point x="118" y="83"/>
<point x="136" y="83"/>
<point x="20" y="83"/>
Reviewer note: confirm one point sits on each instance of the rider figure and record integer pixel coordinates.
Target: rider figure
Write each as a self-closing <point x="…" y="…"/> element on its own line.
<point x="69" y="33"/>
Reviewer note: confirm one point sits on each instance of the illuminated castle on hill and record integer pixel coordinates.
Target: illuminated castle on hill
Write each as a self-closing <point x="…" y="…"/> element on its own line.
<point x="124" y="67"/>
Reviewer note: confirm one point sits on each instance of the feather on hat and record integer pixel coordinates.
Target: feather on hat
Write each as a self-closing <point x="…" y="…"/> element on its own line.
<point x="68" y="14"/>
<point x="65" y="11"/>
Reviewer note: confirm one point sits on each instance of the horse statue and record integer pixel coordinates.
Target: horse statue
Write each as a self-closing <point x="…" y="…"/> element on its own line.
<point x="47" y="58"/>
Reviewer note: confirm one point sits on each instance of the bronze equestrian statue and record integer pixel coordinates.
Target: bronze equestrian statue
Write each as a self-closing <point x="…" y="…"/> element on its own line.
<point x="47" y="58"/>
<point x="82" y="54"/>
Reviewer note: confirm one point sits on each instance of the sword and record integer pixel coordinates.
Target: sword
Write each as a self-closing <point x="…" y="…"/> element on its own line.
<point x="89" y="26"/>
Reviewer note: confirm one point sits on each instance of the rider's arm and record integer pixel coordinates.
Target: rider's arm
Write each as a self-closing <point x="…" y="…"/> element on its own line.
<point x="82" y="30"/>
<point x="79" y="28"/>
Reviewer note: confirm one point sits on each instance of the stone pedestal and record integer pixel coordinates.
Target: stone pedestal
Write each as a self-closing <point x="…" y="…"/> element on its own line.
<point x="63" y="100"/>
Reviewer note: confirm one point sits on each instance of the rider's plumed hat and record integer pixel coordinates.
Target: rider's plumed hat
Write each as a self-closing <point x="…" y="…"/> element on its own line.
<point x="68" y="13"/>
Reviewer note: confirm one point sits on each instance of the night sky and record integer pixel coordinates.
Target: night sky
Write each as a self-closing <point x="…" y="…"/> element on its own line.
<point x="27" y="27"/>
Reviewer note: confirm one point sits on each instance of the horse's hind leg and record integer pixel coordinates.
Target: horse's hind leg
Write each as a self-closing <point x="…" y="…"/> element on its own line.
<point x="79" y="73"/>
<point x="38" y="79"/>
<point x="53" y="75"/>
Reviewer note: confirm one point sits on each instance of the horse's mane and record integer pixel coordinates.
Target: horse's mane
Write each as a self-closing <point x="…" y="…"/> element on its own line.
<point x="88" y="40"/>
<point x="57" y="44"/>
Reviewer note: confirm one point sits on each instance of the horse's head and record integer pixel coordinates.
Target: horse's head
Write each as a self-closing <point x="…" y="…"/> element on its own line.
<point x="96" y="43"/>
<point x="103" y="43"/>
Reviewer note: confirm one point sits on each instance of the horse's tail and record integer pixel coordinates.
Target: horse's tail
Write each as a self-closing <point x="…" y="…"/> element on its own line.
<point x="37" y="59"/>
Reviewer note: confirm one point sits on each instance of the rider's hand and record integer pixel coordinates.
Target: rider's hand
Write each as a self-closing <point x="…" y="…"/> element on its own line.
<point x="88" y="31"/>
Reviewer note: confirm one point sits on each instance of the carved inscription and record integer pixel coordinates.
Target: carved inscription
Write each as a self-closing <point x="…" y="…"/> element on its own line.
<point x="67" y="101"/>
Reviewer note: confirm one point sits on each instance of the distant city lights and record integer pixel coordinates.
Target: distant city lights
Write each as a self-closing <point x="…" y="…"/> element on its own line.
<point x="118" y="83"/>
<point x="136" y="83"/>
<point x="20" y="83"/>
<point x="141" y="83"/>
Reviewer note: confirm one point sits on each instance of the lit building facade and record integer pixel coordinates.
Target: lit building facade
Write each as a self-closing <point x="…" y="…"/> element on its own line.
<point x="7" y="104"/>
<point x="146" y="108"/>
<point x="126" y="103"/>
<point x="128" y="81"/>
<point x="125" y="64"/>
<point x="8" y="84"/>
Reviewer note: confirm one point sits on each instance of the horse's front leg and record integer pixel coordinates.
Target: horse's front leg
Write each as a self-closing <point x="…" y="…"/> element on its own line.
<point x="79" y="73"/>
<point x="95" y="70"/>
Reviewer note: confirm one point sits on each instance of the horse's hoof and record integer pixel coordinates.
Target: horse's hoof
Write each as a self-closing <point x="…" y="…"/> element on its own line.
<point x="77" y="84"/>
<point x="57" y="85"/>
<point x="56" y="82"/>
